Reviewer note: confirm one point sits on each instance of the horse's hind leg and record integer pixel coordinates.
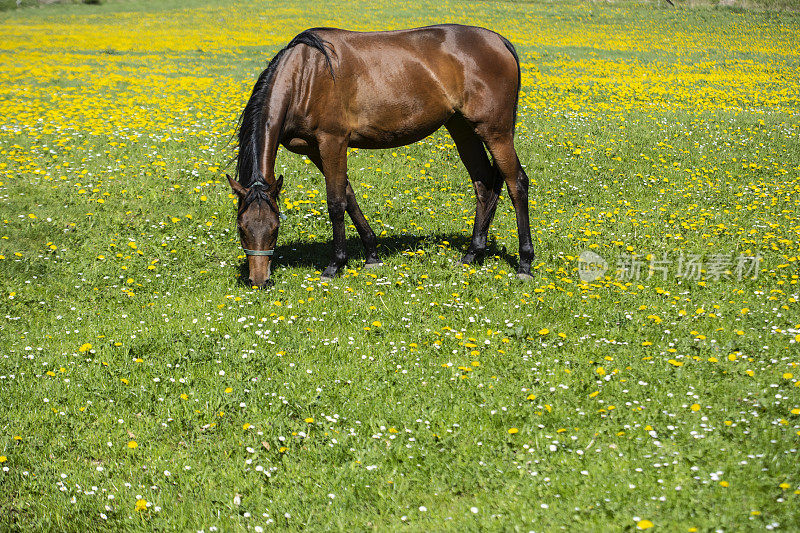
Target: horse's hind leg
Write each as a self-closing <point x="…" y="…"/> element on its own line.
<point x="485" y="179"/>
<point x="507" y="162"/>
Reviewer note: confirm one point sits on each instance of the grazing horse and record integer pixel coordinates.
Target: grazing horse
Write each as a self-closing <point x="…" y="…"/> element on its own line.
<point x="331" y="89"/>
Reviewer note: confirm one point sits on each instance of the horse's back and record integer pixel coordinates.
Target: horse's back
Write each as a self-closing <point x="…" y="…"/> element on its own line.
<point x="395" y="87"/>
<point x="440" y="49"/>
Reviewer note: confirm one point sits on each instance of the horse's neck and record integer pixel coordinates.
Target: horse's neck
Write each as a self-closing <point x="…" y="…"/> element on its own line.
<point x="273" y="130"/>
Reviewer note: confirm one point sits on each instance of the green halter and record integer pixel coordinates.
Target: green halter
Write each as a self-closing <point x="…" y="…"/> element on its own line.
<point x="258" y="252"/>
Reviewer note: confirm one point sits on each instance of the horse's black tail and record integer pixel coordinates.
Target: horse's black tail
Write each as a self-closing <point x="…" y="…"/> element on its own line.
<point x="513" y="51"/>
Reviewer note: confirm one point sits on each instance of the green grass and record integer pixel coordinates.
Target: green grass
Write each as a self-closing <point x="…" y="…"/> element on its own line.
<point x="384" y="398"/>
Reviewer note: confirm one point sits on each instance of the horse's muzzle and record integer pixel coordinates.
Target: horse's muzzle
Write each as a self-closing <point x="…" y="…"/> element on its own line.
<point x="260" y="271"/>
<point x="263" y="286"/>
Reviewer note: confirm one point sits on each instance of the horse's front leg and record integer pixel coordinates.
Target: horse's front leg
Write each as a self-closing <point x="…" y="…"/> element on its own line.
<point x="332" y="162"/>
<point x="368" y="238"/>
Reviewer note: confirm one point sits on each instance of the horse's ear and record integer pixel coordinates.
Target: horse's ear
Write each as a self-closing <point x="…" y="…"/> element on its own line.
<point x="240" y="191"/>
<point x="276" y="189"/>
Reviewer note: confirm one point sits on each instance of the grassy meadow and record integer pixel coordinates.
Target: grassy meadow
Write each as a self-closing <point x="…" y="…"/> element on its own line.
<point x="145" y="387"/>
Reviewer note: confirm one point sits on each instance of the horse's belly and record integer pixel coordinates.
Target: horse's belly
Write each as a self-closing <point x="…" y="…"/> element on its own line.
<point x="375" y="138"/>
<point x="385" y="127"/>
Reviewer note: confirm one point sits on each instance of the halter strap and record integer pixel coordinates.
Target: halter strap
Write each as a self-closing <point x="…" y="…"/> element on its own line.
<point x="258" y="252"/>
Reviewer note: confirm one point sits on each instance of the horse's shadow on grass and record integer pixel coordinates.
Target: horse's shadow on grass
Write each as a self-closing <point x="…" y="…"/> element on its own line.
<point x="316" y="255"/>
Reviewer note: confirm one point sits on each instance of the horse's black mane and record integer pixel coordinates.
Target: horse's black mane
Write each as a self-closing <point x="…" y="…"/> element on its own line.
<point x="252" y="122"/>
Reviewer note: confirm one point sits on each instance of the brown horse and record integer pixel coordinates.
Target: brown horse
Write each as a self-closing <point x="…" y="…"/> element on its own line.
<point x="332" y="89"/>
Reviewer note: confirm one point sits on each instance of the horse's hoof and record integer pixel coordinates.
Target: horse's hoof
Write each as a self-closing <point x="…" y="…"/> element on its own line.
<point x="328" y="274"/>
<point x="522" y="276"/>
<point x="376" y="264"/>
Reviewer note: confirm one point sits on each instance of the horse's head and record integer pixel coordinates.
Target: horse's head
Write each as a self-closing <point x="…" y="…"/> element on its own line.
<point x="258" y="220"/>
